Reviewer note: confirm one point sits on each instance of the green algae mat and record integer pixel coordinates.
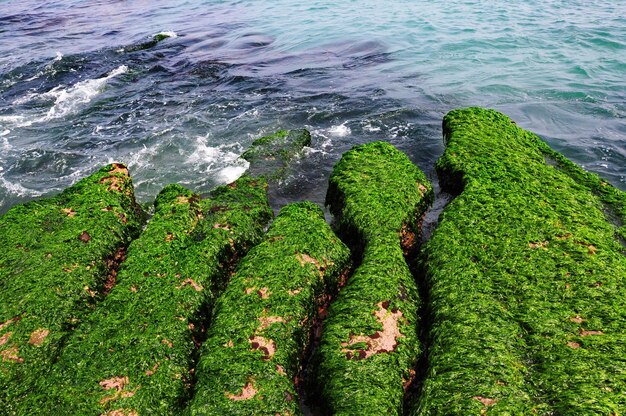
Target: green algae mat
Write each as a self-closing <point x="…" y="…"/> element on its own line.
<point x="57" y="259"/>
<point x="369" y="343"/>
<point x="524" y="305"/>
<point x="134" y="354"/>
<point x="270" y="156"/>
<point x="262" y="323"/>
<point x="525" y="276"/>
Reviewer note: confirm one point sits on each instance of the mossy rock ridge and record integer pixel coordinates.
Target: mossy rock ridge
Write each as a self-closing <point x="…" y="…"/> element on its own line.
<point x="58" y="255"/>
<point x="262" y="323"/>
<point x="369" y="344"/>
<point x="135" y="354"/>
<point x="525" y="276"/>
<point x="270" y="156"/>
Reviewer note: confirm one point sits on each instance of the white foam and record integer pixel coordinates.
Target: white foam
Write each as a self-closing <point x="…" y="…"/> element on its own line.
<point x="17" y="189"/>
<point x="66" y="99"/>
<point x="340" y="131"/>
<point x="223" y="161"/>
<point x="371" y="129"/>
<point x="231" y="173"/>
<point x="69" y="99"/>
<point x="168" y="33"/>
<point x="17" y="121"/>
<point x="141" y="158"/>
<point x="5" y="132"/>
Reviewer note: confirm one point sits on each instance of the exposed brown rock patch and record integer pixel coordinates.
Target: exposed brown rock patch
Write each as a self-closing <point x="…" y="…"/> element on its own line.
<point x="380" y="341"/>
<point x="9" y="322"/>
<point x="304" y="258"/>
<point x="117" y="395"/>
<point x="485" y="401"/>
<point x="247" y="393"/>
<point x="84" y="237"/>
<point x="541" y="244"/>
<point x="182" y="200"/>
<point x="114" y="180"/>
<point x="591" y="249"/>
<point x="264" y="293"/>
<point x="280" y="370"/>
<point x="267" y="346"/>
<point x="587" y="333"/>
<point x="117" y="383"/>
<point x="69" y="212"/>
<point x="222" y="227"/>
<point x="38" y="336"/>
<point x="577" y="319"/>
<point x="266" y="321"/>
<point x="153" y="370"/>
<point x="573" y="345"/>
<point x="121" y="412"/>
<point x="11" y="354"/>
<point x="119" y="168"/>
<point x="5" y="338"/>
<point x="193" y="284"/>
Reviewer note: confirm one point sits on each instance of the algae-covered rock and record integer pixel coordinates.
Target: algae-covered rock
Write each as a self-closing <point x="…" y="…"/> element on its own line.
<point x="58" y="257"/>
<point x="134" y="354"/>
<point x="270" y="156"/>
<point x="369" y="342"/>
<point x="525" y="276"/>
<point x="262" y="323"/>
<point x="151" y="43"/>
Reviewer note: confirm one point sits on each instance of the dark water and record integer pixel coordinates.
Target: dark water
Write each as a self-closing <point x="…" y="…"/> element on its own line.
<point x="85" y="83"/>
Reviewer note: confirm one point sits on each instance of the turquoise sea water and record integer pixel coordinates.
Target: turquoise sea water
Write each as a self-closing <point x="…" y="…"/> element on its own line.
<point x="81" y="87"/>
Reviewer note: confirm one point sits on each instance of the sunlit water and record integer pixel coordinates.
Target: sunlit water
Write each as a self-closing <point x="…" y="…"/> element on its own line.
<point x="81" y="85"/>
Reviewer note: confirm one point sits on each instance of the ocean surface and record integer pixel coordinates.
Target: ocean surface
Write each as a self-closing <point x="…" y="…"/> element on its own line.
<point x="85" y="83"/>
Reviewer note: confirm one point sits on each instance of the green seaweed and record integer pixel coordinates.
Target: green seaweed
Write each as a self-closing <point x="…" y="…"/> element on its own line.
<point x="262" y="322"/>
<point x="269" y="156"/>
<point x="134" y="354"/>
<point x="525" y="277"/>
<point x="369" y="343"/>
<point x="154" y="40"/>
<point x="58" y="254"/>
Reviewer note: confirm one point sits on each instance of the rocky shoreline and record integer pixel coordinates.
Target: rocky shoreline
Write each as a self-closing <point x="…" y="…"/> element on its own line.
<point x="515" y="305"/>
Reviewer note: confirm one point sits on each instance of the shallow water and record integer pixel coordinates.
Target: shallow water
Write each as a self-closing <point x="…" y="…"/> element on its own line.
<point x="82" y="83"/>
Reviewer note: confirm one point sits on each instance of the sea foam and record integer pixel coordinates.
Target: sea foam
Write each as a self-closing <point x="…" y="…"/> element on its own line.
<point x="222" y="161"/>
<point x="70" y="99"/>
<point x="67" y="100"/>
